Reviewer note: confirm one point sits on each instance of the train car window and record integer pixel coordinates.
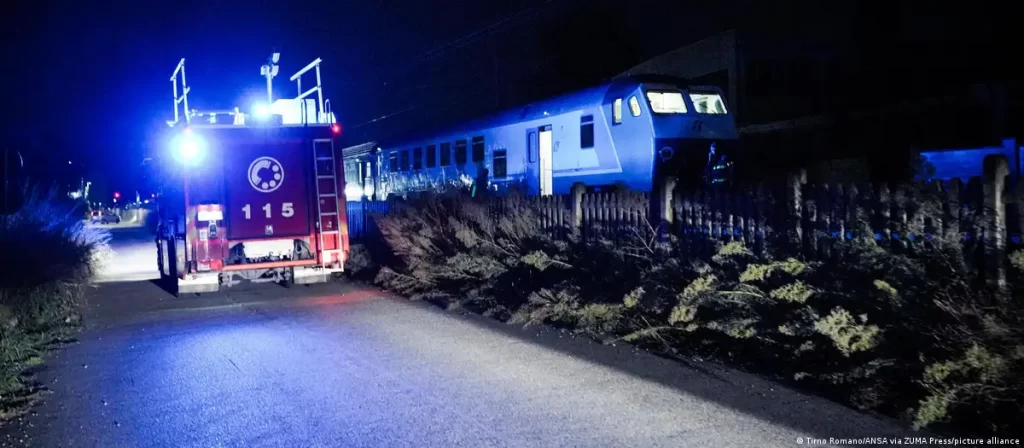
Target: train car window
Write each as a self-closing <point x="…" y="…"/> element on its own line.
<point x="446" y="154"/>
<point x="403" y="162"/>
<point x="708" y="103"/>
<point x="460" y="152"/>
<point x="393" y="162"/>
<point x="431" y="156"/>
<point x="666" y="102"/>
<point x="634" y="106"/>
<point x="587" y="131"/>
<point x="500" y="164"/>
<point x="352" y="169"/>
<point x="478" y="149"/>
<point x="417" y="158"/>
<point x="617" y="111"/>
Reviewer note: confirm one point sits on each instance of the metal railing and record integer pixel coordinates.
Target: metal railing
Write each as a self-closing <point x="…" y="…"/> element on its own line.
<point x="322" y="115"/>
<point x="180" y="68"/>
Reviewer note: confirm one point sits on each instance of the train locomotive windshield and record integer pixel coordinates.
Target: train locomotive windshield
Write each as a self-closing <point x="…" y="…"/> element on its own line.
<point x="708" y="103"/>
<point x="666" y="102"/>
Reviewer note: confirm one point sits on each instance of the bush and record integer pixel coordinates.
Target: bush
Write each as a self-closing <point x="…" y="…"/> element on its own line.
<point x="450" y="249"/>
<point x="361" y="264"/>
<point x="902" y="329"/>
<point x="974" y="374"/>
<point x="49" y="258"/>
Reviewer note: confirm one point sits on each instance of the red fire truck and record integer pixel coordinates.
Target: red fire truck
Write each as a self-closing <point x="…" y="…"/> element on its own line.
<point x="253" y="197"/>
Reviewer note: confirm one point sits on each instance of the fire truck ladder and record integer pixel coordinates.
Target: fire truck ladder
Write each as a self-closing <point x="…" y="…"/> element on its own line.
<point x="327" y="202"/>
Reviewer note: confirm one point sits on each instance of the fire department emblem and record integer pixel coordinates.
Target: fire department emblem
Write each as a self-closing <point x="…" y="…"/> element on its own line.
<point x="266" y="174"/>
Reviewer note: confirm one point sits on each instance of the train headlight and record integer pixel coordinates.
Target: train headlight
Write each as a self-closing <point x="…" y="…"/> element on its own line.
<point x="353" y="192"/>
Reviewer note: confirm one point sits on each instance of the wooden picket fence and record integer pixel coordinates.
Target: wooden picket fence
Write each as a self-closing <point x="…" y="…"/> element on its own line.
<point x="985" y="213"/>
<point x="754" y="215"/>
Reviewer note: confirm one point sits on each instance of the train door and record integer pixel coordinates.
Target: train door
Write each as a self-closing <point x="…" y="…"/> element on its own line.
<point x="538" y="152"/>
<point x="545" y="162"/>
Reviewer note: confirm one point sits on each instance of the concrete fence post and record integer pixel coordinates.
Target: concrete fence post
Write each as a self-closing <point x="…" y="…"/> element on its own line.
<point x="667" y="193"/>
<point x="794" y="187"/>
<point x="576" y="204"/>
<point x="996" y="168"/>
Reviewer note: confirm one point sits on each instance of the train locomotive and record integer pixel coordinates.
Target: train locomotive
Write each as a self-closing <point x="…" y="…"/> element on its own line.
<point x="624" y="134"/>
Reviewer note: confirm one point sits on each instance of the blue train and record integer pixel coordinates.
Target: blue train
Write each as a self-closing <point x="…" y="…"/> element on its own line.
<point x="625" y="133"/>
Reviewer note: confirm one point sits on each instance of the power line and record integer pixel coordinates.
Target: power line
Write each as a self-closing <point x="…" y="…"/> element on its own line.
<point x="462" y="41"/>
<point x="480" y="33"/>
<point x="386" y="116"/>
<point x="449" y="107"/>
<point x="458" y="43"/>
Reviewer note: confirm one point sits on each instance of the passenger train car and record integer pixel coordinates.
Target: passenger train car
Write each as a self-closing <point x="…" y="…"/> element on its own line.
<point x="625" y="133"/>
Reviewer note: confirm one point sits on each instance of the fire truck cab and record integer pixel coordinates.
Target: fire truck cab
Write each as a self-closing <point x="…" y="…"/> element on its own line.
<point x="253" y="197"/>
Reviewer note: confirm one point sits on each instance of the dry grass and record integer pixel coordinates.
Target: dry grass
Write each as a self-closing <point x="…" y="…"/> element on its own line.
<point x="49" y="258"/>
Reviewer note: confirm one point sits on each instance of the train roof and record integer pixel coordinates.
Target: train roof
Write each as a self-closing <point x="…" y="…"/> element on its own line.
<point x="594" y="96"/>
<point x="360" y="150"/>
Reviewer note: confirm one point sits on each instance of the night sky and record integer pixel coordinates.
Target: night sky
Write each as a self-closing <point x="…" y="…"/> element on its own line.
<point x="91" y="84"/>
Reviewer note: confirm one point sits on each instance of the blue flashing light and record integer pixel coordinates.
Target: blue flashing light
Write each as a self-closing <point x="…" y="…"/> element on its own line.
<point x="261" y="111"/>
<point x="187" y="147"/>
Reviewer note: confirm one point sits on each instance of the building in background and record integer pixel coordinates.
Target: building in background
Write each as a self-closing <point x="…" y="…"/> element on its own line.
<point x="852" y="86"/>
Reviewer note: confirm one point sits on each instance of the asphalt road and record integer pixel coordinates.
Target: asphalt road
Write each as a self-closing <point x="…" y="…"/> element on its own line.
<point x="133" y="253"/>
<point x="340" y="365"/>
